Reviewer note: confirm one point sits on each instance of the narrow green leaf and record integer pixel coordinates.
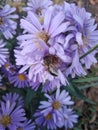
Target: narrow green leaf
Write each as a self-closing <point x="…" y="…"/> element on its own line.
<point x="78" y="93"/>
<point x="29" y="97"/>
<point x="88" y="86"/>
<point x="91" y="79"/>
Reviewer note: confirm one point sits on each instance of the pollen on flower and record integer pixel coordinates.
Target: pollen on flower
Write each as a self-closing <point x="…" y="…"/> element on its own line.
<point x="7" y="65"/>
<point x="56" y="105"/>
<point x="41" y="19"/>
<point x="44" y="36"/>
<point x="48" y="116"/>
<point x="5" y="120"/>
<point x="21" y="77"/>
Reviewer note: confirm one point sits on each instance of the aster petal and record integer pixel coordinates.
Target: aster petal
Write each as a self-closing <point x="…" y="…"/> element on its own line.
<point x="58" y="19"/>
<point x="48" y="18"/>
<point x="34" y="20"/>
<point x="28" y="26"/>
<point x="79" y="38"/>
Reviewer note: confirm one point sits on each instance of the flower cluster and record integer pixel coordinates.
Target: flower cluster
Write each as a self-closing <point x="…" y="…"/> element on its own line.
<point x="12" y="114"/>
<point x="11" y="71"/>
<point x="51" y="45"/>
<point x="50" y="49"/>
<point x="56" y="112"/>
<point x="7" y="25"/>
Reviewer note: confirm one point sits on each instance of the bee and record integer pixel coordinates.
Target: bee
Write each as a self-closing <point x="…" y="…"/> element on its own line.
<point x="51" y="62"/>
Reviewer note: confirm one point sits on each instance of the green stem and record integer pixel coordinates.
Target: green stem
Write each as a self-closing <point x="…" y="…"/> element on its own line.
<point x="91" y="50"/>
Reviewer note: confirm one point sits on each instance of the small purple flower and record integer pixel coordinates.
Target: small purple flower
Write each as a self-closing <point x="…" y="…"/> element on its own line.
<point x="69" y="118"/>
<point x="56" y="103"/>
<point x="56" y="112"/>
<point x="13" y="98"/>
<point x="10" y="116"/>
<point x="19" y="80"/>
<point x="8" y="69"/>
<point x="38" y="7"/>
<point x="3" y="53"/>
<point x="84" y="31"/>
<point x="7" y="25"/>
<point x="45" y="120"/>
<point x="27" y="125"/>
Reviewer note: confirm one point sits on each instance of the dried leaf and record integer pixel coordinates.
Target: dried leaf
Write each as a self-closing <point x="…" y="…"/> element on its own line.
<point x="93" y="2"/>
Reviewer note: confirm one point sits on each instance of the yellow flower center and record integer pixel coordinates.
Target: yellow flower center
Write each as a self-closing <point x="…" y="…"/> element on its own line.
<point x="56" y="105"/>
<point x="59" y="2"/>
<point x="1" y="20"/>
<point x="44" y="36"/>
<point x="17" y="4"/>
<point x="7" y="65"/>
<point x="21" y="77"/>
<point x="5" y="120"/>
<point x="48" y="116"/>
<point x="41" y="19"/>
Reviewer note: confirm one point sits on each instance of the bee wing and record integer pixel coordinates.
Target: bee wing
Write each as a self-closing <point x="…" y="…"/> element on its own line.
<point x="53" y="71"/>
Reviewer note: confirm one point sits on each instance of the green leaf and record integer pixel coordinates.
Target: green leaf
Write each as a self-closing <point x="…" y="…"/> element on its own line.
<point x="29" y="96"/>
<point x="78" y="93"/>
<point x="91" y="79"/>
<point x="88" y="86"/>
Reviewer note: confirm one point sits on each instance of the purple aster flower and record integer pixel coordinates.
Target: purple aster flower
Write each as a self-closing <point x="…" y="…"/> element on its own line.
<point x="19" y="80"/>
<point x="11" y="117"/>
<point x="45" y="120"/>
<point x="8" y="69"/>
<point x="7" y="25"/>
<point x="41" y="36"/>
<point x="13" y="98"/>
<point x="27" y="125"/>
<point x="76" y="67"/>
<point x="69" y="118"/>
<point x="56" y="103"/>
<point x="56" y="110"/>
<point x="84" y="30"/>
<point x="45" y="70"/>
<point x="3" y="53"/>
<point x="42" y="39"/>
<point x="38" y="7"/>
